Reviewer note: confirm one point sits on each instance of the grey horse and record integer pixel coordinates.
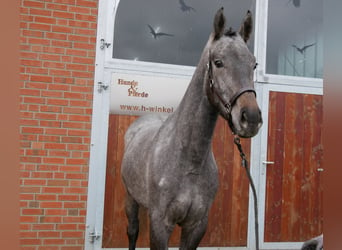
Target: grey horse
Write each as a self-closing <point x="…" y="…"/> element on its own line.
<point x="168" y="166"/>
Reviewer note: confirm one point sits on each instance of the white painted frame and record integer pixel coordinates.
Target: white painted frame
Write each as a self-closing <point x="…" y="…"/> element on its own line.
<point x="105" y="65"/>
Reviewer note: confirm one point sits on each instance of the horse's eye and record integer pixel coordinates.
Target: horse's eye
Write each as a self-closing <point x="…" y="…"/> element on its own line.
<point x="255" y="66"/>
<point x="218" y="63"/>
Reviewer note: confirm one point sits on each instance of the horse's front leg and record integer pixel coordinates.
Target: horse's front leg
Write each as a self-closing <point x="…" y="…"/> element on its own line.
<point x="192" y="235"/>
<point x="160" y="232"/>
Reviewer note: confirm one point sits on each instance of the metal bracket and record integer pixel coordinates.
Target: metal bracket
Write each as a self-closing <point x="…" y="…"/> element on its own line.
<point x="94" y="236"/>
<point x="101" y="87"/>
<point x="104" y="44"/>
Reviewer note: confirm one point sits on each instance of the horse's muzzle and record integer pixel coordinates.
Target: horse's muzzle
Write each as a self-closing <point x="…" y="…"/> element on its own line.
<point x="250" y="121"/>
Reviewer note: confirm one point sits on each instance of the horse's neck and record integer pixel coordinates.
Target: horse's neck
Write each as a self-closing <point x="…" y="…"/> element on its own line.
<point x="195" y="118"/>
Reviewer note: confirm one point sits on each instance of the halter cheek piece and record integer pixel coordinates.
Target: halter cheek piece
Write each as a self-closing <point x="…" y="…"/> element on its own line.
<point x="231" y="101"/>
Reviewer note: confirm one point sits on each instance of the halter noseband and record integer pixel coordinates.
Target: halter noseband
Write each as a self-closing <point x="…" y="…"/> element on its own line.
<point x="230" y="103"/>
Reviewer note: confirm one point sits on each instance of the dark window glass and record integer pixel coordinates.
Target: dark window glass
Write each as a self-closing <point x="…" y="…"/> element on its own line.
<point x="187" y="25"/>
<point x="294" y="40"/>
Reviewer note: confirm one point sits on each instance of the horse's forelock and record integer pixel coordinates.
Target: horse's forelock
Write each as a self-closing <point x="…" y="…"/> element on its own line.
<point x="230" y="32"/>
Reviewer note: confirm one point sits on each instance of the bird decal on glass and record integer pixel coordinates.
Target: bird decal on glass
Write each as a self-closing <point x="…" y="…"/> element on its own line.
<point x="296" y="3"/>
<point x="156" y="34"/>
<point x="302" y="49"/>
<point x="184" y="7"/>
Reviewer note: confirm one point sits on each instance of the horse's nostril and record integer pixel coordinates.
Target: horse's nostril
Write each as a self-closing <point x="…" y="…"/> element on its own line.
<point x="244" y="119"/>
<point x="250" y="117"/>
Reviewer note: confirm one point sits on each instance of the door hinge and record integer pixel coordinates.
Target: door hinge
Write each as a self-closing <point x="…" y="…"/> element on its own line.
<point x="94" y="236"/>
<point x="101" y="86"/>
<point x="103" y="44"/>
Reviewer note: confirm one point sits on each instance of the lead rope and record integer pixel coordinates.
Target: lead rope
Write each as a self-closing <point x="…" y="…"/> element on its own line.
<point x="244" y="163"/>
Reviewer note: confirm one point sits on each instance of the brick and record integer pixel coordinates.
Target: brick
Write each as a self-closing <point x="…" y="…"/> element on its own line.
<point x="85" y="3"/>
<point x="63" y="14"/>
<point x="43" y="227"/>
<point x="58" y="183"/>
<point x="57" y="36"/>
<point x="37" y="71"/>
<point x="73" y="234"/>
<point x="78" y="9"/>
<point x="74" y="205"/>
<point x="62" y="29"/>
<point x="58" y="153"/>
<point x="28" y="234"/>
<point x="30" y="242"/>
<point x="50" y="219"/>
<point x="40" y="12"/>
<point x="40" y="26"/>
<point x="35" y="182"/>
<point x="44" y="19"/>
<point x="68" y="197"/>
<point x="45" y="175"/>
<point x="75" y="190"/>
<point x="53" y="190"/>
<point x="62" y="7"/>
<point x="32" y="211"/>
<point x="60" y="72"/>
<point x="72" y="110"/>
<point x="67" y="227"/>
<point x="45" y="116"/>
<point x="44" y="123"/>
<point x="35" y="85"/>
<point x="49" y="234"/>
<point x="54" y="242"/>
<point x="76" y="176"/>
<point x="35" y="152"/>
<point x="59" y="212"/>
<point x="58" y="102"/>
<point x="50" y="57"/>
<point x="41" y="78"/>
<point x="53" y="160"/>
<point x="46" y="197"/>
<point x="73" y="219"/>
<point x="55" y="94"/>
<point x="31" y="62"/>
<point x="32" y="130"/>
<point x="28" y="219"/>
<point x="51" y="204"/>
<point x="37" y="100"/>
<point x="63" y="87"/>
<point x="56" y="131"/>
<point x="35" y="4"/>
<point x="80" y="118"/>
<point x="30" y="189"/>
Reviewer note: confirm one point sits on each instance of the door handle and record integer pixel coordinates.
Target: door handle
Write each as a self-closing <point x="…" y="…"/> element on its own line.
<point x="265" y="163"/>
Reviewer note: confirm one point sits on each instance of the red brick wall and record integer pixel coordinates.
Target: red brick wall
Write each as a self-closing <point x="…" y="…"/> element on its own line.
<point x="57" y="53"/>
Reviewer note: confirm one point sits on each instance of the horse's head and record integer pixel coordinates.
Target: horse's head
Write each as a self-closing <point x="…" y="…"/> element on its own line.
<point x="230" y="85"/>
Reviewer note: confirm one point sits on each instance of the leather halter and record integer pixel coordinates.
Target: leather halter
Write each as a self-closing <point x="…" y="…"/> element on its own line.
<point x="232" y="100"/>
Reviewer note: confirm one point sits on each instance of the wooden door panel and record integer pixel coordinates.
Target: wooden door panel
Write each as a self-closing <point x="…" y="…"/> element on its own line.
<point x="228" y="218"/>
<point x="293" y="183"/>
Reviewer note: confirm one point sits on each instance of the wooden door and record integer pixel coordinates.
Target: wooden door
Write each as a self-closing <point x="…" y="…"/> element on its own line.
<point x="229" y="214"/>
<point x="293" y="209"/>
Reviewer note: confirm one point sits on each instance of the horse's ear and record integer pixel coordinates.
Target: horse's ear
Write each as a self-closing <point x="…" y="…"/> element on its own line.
<point x="246" y="27"/>
<point x="219" y="24"/>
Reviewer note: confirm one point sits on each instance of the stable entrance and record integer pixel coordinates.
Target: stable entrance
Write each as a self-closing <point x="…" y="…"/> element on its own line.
<point x="286" y="156"/>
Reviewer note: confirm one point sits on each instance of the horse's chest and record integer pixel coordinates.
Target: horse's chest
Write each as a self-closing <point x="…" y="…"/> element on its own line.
<point x="189" y="200"/>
